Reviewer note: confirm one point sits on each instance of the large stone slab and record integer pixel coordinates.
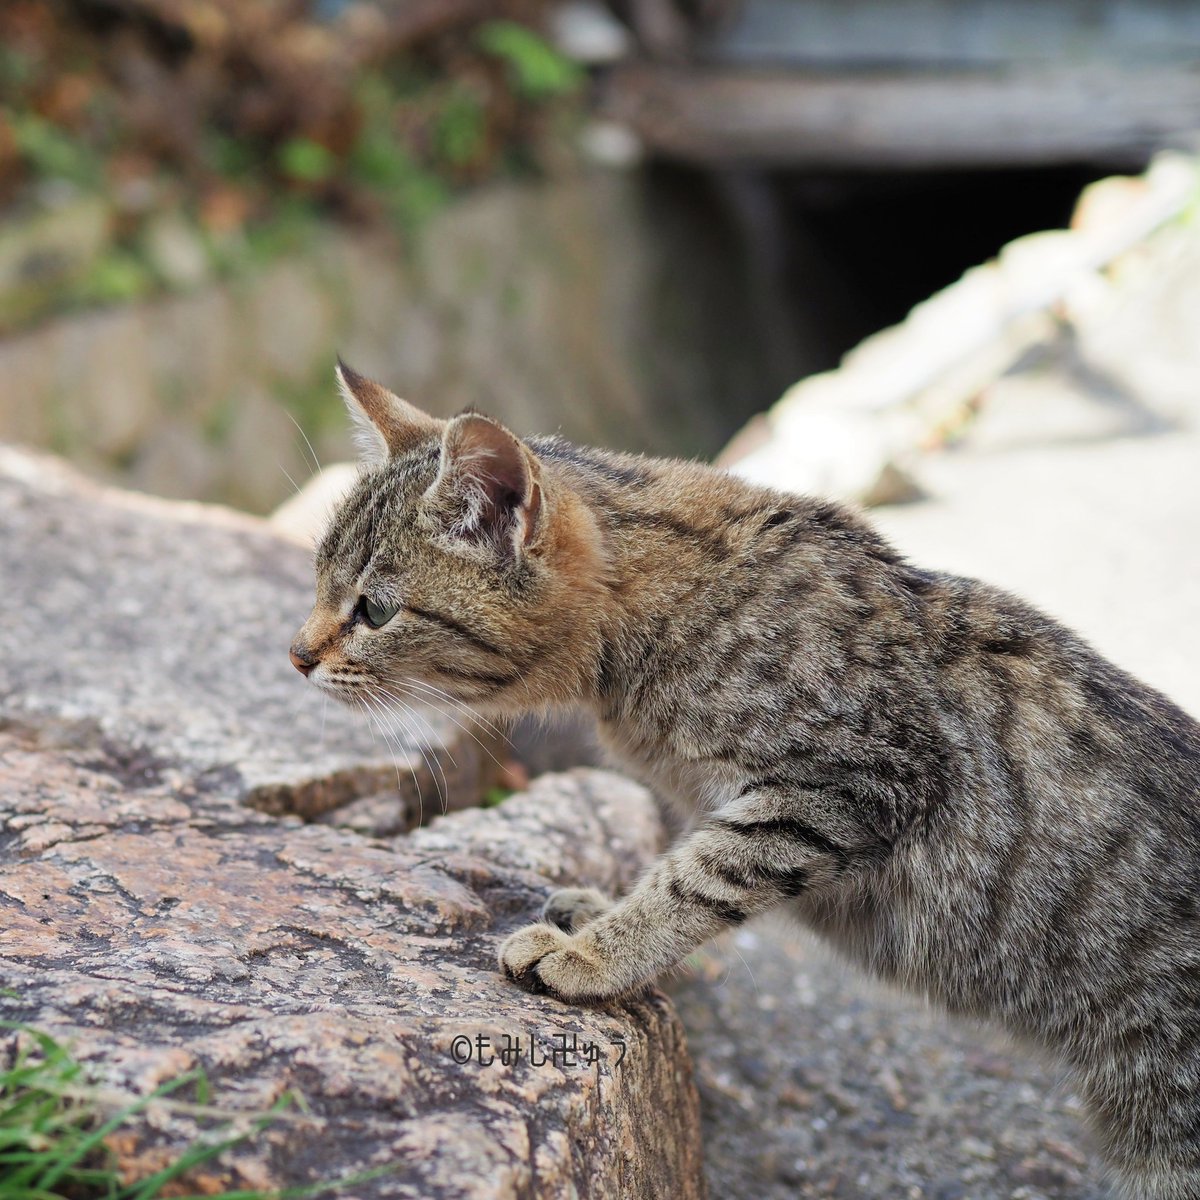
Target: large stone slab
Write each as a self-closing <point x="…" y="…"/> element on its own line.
<point x="160" y="630"/>
<point x="155" y="936"/>
<point x="156" y="918"/>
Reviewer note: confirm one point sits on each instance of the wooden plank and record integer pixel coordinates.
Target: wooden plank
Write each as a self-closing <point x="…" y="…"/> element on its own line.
<point x="1018" y="116"/>
<point x="965" y="33"/>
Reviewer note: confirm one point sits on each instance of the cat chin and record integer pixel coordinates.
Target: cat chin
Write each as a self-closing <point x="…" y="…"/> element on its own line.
<point x="352" y="697"/>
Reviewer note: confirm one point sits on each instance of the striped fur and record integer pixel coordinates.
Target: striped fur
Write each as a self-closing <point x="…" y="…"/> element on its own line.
<point x="943" y="783"/>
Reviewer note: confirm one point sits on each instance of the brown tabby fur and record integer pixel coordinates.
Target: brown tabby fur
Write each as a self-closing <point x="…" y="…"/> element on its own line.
<point x="943" y="783"/>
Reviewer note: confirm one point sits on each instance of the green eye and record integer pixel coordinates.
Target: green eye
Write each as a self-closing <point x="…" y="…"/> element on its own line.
<point x="374" y="614"/>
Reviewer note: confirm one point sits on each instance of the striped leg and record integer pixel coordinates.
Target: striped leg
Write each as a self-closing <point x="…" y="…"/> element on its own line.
<point x="758" y="852"/>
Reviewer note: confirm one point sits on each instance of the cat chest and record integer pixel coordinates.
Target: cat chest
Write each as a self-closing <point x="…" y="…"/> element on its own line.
<point x="688" y="784"/>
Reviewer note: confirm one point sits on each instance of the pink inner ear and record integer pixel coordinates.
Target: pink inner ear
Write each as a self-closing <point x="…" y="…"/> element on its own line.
<point x="491" y="477"/>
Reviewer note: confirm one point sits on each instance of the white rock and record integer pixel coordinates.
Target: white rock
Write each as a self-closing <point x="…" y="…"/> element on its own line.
<point x="176" y="251"/>
<point x="611" y="144"/>
<point x="589" y="33"/>
<point x="829" y="452"/>
<point x="304" y="517"/>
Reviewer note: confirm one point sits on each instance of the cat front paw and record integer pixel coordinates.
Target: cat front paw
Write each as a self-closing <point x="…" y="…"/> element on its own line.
<point x="547" y="961"/>
<point x="572" y="908"/>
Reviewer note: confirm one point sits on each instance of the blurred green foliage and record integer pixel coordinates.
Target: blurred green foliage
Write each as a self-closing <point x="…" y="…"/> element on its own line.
<point x="249" y="127"/>
<point x="117" y="275"/>
<point x="536" y="70"/>
<point x="305" y="161"/>
<point x="495" y="796"/>
<point x="50" y="152"/>
<point x="460" y="130"/>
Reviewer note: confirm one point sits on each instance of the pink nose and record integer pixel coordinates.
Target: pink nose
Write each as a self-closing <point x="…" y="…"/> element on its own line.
<point x="301" y="660"/>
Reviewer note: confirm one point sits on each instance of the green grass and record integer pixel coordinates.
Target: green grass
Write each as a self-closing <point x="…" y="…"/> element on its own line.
<point x="494" y="796"/>
<point x="53" y="1127"/>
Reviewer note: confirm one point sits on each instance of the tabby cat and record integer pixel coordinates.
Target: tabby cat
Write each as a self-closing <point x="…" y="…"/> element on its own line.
<point x="939" y="780"/>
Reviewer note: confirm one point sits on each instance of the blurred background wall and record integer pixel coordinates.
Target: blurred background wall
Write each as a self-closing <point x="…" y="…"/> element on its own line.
<point x="636" y="223"/>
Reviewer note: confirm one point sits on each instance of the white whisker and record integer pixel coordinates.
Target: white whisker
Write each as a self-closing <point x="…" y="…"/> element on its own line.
<point x="316" y="461"/>
<point x="374" y="712"/>
<point x="430" y="760"/>
<point x="442" y="697"/>
<point x="288" y="476"/>
<point x="429" y="755"/>
<point x="465" y="728"/>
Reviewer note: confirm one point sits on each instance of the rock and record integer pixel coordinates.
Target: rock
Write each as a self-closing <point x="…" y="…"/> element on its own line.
<point x="161" y="629"/>
<point x="821" y="446"/>
<point x="197" y="352"/>
<point x="855" y="433"/>
<point x="157" y="919"/>
<point x="611" y="144"/>
<point x="172" y="461"/>
<point x="291" y="320"/>
<point x="589" y="33"/>
<point x="29" y="368"/>
<point x="176" y="251"/>
<point x="611" y="305"/>
<point x="156" y="929"/>
<point x="105" y="401"/>
<point x="816" y="1082"/>
<point x="46" y="251"/>
<point x="263" y="445"/>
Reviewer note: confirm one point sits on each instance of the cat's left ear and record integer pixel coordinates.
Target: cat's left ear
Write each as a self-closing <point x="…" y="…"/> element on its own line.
<point x="384" y="424"/>
<point x="488" y="487"/>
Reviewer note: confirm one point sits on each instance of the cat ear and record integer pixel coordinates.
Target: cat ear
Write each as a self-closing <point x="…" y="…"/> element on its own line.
<point x="488" y="488"/>
<point x="384" y="425"/>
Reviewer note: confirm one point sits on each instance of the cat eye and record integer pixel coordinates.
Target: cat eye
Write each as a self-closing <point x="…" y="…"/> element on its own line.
<point x="374" y="614"/>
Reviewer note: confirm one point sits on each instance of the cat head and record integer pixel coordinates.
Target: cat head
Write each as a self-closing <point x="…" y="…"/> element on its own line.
<point x="458" y="565"/>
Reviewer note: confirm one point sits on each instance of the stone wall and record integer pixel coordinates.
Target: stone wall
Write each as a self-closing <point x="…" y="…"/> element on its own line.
<point x="587" y="305"/>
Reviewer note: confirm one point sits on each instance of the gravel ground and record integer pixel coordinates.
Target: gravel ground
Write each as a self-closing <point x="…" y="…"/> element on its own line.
<point x="815" y="1082"/>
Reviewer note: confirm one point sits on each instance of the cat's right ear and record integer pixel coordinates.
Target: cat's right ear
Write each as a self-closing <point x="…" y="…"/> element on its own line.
<point x="384" y="425"/>
<point x="488" y="490"/>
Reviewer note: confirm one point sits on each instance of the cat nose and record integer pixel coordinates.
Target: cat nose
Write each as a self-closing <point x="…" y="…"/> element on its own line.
<point x="301" y="659"/>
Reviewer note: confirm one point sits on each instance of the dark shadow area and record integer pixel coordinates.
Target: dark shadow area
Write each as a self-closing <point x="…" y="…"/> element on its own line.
<point x="829" y="259"/>
<point x="895" y="239"/>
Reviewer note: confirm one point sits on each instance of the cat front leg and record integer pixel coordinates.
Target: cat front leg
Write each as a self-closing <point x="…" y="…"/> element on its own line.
<point x="757" y="853"/>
